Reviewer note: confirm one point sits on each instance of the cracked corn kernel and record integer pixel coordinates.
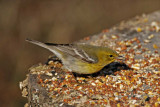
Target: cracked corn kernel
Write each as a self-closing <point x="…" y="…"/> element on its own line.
<point x="155" y="46"/>
<point x="139" y="29"/>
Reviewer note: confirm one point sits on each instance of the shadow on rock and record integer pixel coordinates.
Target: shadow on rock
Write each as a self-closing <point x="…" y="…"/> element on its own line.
<point x="111" y="68"/>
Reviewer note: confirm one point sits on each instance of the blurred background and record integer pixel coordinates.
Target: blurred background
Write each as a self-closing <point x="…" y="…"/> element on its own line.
<point x="58" y="21"/>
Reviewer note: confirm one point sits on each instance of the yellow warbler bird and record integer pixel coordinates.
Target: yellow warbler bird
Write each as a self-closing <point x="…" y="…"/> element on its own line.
<point x="81" y="58"/>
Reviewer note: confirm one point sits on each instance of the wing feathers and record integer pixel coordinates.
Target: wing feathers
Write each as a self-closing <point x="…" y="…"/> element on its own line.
<point x="75" y="52"/>
<point x="68" y="49"/>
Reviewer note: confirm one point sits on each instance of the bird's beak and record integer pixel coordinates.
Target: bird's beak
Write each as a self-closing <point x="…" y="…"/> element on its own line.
<point x="120" y="58"/>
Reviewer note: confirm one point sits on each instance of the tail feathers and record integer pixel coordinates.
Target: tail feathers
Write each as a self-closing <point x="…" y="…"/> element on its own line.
<point x="47" y="46"/>
<point x="40" y="44"/>
<point x="37" y="43"/>
<point x="51" y="47"/>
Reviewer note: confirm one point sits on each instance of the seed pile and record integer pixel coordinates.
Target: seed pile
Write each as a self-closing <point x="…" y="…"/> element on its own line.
<point x="139" y="85"/>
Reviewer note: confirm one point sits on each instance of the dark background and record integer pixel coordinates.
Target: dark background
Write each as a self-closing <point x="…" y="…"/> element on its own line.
<point x="58" y="21"/>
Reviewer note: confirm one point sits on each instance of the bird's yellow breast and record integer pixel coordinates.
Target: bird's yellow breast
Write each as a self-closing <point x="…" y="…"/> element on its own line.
<point x="88" y="68"/>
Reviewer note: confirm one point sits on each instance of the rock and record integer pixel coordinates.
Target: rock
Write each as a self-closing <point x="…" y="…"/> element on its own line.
<point x="118" y="84"/>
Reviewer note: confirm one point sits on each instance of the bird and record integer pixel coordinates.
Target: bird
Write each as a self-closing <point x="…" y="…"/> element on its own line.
<point x="80" y="58"/>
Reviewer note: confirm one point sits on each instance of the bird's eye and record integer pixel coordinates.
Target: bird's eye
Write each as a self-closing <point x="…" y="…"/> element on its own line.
<point x="110" y="55"/>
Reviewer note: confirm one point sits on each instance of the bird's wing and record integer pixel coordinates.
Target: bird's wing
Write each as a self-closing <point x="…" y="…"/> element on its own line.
<point x="68" y="49"/>
<point x="71" y="49"/>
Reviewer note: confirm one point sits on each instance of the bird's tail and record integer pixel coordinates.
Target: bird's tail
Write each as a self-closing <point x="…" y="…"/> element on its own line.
<point x="38" y="43"/>
<point x="49" y="46"/>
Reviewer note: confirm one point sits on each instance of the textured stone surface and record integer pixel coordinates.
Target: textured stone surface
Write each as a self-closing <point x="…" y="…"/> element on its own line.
<point x="144" y="30"/>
